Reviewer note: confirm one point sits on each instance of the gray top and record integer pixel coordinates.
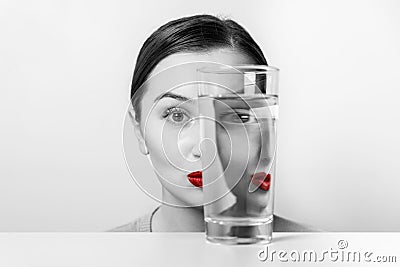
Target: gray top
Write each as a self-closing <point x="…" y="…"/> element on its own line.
<point x="143" y="224"/>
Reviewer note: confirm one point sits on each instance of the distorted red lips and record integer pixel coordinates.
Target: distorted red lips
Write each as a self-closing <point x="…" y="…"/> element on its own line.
<point x="195" y="178"/>
<point x="262" y="180"/>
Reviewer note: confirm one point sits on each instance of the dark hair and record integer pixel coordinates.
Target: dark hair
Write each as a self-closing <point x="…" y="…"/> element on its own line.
<point x="198" y="33"/>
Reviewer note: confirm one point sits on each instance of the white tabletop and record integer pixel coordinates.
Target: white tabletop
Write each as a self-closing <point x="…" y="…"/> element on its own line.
<point x="191" y="249"/>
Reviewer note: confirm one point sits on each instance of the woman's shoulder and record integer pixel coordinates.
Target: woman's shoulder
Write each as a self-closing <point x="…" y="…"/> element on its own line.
<point x="141" y="224"/>
<point x="280" y="224"/>
<point x="128" y="227"/>
<point x="285" y="225"/>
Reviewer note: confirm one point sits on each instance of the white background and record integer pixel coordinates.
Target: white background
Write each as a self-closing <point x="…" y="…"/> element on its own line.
<point x="65" y="72"/>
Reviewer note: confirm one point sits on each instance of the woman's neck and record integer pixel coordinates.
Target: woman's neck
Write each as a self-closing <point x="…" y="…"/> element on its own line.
<point x="177" y="219"/>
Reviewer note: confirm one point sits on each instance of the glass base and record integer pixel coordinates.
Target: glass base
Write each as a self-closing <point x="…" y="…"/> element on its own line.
<point x="239" y="232"/>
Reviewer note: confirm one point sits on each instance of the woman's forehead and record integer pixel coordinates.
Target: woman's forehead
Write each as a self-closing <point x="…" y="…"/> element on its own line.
<point x="225" y="56"/>
<point x="179" y="72"/>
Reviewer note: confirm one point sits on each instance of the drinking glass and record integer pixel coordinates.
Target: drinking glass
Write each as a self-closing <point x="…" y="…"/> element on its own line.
<point x="238" y="111"/>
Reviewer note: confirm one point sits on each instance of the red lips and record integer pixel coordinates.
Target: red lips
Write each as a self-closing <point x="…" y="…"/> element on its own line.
<point x="262" y="180"/>
<point x="195" y="178"/>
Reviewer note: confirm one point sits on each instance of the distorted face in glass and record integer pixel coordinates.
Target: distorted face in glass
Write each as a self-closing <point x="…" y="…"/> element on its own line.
<point x="244" y="132"/>
<point x="246" y="145"/>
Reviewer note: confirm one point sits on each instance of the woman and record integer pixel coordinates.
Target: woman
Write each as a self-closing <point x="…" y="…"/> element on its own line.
<point x="170" y="56"/>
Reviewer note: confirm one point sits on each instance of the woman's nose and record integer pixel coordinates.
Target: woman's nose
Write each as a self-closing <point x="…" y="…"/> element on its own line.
<point x="189" y="140"/>
<point x="196" y="152"/>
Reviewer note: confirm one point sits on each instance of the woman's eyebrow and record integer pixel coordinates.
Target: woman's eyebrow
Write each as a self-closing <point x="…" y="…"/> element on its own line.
<point x="171" y="95"/>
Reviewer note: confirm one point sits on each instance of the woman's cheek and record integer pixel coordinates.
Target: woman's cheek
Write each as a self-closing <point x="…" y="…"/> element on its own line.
<point x="255" y="147"/>
<point x="223" y="146"/>
<point x="154" y="138"/>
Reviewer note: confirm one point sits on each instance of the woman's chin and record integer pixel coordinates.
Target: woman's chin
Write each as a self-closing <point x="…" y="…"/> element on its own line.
<point x="194" y="198"/>
<point x="185" y="197"/>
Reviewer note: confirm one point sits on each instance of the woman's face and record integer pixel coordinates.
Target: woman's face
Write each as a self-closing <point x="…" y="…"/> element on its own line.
<point x="169" y="126"/>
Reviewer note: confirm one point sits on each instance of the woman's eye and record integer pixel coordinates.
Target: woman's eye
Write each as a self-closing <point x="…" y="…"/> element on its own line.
<point x="176" y="115"/>
<point x="239" y="117"/>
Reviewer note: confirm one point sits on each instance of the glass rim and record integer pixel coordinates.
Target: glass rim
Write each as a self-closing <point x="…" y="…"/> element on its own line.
<point x="239" y="69"/>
